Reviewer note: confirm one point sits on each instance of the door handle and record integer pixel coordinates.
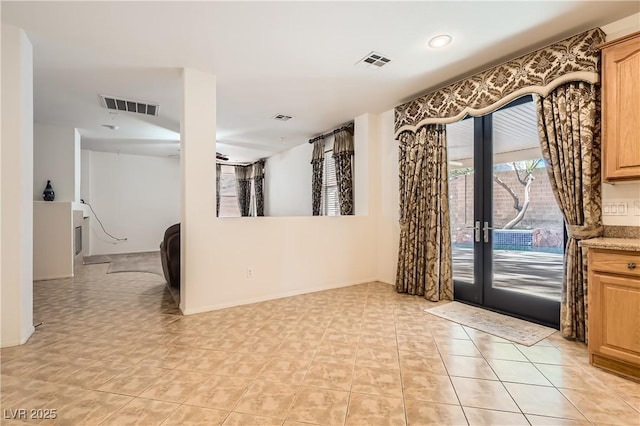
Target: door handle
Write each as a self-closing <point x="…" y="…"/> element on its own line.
<point x="486" y="231"/>
<point x="476" y="230"/>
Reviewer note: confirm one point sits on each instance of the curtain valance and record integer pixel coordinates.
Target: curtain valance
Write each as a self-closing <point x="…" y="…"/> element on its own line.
<point x="244" y="173"/>
<point x="343" y="143"/>
<point x="573" y="59"/>
<point x="258" y="169"/>
<point x="318" y="150"/>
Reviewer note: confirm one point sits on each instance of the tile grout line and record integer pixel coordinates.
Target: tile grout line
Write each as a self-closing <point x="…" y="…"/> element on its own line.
<point x="507" y="390"/>
<point x="79" y="335"/>
<point x="404" y="400"/>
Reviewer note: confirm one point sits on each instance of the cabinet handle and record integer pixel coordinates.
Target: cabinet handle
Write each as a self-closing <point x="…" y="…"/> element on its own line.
<point x="631" y="265"/>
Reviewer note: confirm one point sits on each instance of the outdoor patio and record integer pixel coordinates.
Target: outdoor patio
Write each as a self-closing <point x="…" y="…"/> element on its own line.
<point x="532" y="272"/>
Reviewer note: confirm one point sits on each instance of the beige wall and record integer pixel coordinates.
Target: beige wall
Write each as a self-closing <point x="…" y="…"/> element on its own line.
<point x="286" y="255"/>
<point x="136" y="197"/>
<point x="56" y="157"/>
<point x="287" y="183"/>
<point x="52" y="240"/>
<point x="388" y="228"/>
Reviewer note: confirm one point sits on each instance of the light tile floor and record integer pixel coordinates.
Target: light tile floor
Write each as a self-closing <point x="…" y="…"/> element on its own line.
<point x="114" y="351"/>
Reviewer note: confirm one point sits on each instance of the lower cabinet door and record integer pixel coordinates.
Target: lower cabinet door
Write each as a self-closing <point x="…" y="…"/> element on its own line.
<point x="614" y="317"/>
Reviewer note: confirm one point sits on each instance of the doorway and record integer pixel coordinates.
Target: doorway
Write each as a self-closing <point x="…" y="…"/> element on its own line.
<point x="508" y="234"/>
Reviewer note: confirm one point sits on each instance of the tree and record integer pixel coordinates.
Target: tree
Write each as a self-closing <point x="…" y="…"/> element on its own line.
<point x="460" y="172"/>
<point x="524" y="173"/>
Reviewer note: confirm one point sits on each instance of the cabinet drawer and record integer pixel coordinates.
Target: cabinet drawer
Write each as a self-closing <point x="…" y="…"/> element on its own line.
<point x="625" y="263"/>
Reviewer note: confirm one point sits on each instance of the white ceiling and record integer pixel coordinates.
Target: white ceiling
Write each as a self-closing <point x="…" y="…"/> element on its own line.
<point x="293" y="58"/>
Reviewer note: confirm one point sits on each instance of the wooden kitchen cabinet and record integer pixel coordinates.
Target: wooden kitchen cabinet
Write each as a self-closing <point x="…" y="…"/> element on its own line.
<point x="614" y="311"/>
<point x="621" y="109"/>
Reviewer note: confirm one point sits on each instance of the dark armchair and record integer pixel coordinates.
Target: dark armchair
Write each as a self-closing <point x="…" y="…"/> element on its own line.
<point x="170" y="255"/>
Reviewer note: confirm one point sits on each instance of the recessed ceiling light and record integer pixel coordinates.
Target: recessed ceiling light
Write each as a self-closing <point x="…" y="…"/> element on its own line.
<point x="440" y="41"/>
<point x="110" y="126"/>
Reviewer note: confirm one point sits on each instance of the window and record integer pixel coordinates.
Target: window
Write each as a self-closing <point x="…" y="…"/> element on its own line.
<point x="330" y="203"/>
<point x="228" y="195"/>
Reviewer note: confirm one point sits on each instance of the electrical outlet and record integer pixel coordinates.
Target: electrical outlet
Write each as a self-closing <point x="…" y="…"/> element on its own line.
<point x="636" y="208"/>
<point x="622" y="208"/>
<point x="615" y="208"/>
<point x="249" y="272"/>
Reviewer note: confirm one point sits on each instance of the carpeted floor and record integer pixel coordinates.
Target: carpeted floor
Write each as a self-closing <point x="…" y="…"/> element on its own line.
<point x="129" y="262"/>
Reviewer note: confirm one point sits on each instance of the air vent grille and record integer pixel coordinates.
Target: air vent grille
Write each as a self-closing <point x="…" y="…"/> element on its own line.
<point x="129" y="105"/>
<point x="282" y="117"/>
<point x="374" y="60"/>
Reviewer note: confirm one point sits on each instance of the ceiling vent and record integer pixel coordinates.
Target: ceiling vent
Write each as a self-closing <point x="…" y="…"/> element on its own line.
<point x="374" y="60"/>
<point x="129" y="105"/>
<point x="282" y="117"/>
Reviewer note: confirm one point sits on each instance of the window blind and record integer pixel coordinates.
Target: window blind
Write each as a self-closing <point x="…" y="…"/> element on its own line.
<point x="330" y="202"/>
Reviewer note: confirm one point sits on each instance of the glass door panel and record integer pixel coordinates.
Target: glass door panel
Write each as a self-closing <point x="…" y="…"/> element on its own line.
<point x="507" y="233"/>
<point x="464" y="232"/>
<point x="528" y="228"/>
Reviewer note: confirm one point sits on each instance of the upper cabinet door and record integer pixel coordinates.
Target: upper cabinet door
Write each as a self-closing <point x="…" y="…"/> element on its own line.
<point x="621" y="109"/>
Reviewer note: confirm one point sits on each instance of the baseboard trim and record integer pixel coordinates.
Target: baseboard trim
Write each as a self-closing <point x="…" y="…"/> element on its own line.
<point x="27" y="334"/>
<point x="282" y="295"/>
<point x="23" y="339"/>
<point x="55" y="277"/>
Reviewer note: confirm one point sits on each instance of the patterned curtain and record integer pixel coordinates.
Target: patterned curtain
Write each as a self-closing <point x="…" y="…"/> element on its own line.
<point x="243" y="188"/>
<point x="569" y="129"/>
<point x="424" y="259"/>
<point x="258" y="185"/>
<point x="218" y="173"/>
<point x="343" y="157"/>
<point x="576" y="58"/>
<point x="317" y="160"/>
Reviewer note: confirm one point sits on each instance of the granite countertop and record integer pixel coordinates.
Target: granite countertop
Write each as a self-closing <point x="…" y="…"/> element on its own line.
<point x="630" y="244"/>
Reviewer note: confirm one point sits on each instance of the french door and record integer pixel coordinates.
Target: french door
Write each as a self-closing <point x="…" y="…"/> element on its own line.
<point x="507" y="232"/>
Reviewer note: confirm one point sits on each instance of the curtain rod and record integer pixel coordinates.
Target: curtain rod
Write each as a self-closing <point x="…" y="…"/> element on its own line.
<point x="348" y="126"/>
<point x="233" y="163"/>
<point x="238" y="163"/>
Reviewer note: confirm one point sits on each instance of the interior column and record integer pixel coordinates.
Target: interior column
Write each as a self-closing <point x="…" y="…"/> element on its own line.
<point x="198" y="171"/>
<point x="16" y="205"/>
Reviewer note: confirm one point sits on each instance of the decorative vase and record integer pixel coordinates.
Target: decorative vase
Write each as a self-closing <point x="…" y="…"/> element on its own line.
<point x="48" y="193"/>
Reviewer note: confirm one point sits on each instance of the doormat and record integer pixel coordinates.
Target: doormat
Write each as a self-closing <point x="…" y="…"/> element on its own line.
<point x="509" y="328"/>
